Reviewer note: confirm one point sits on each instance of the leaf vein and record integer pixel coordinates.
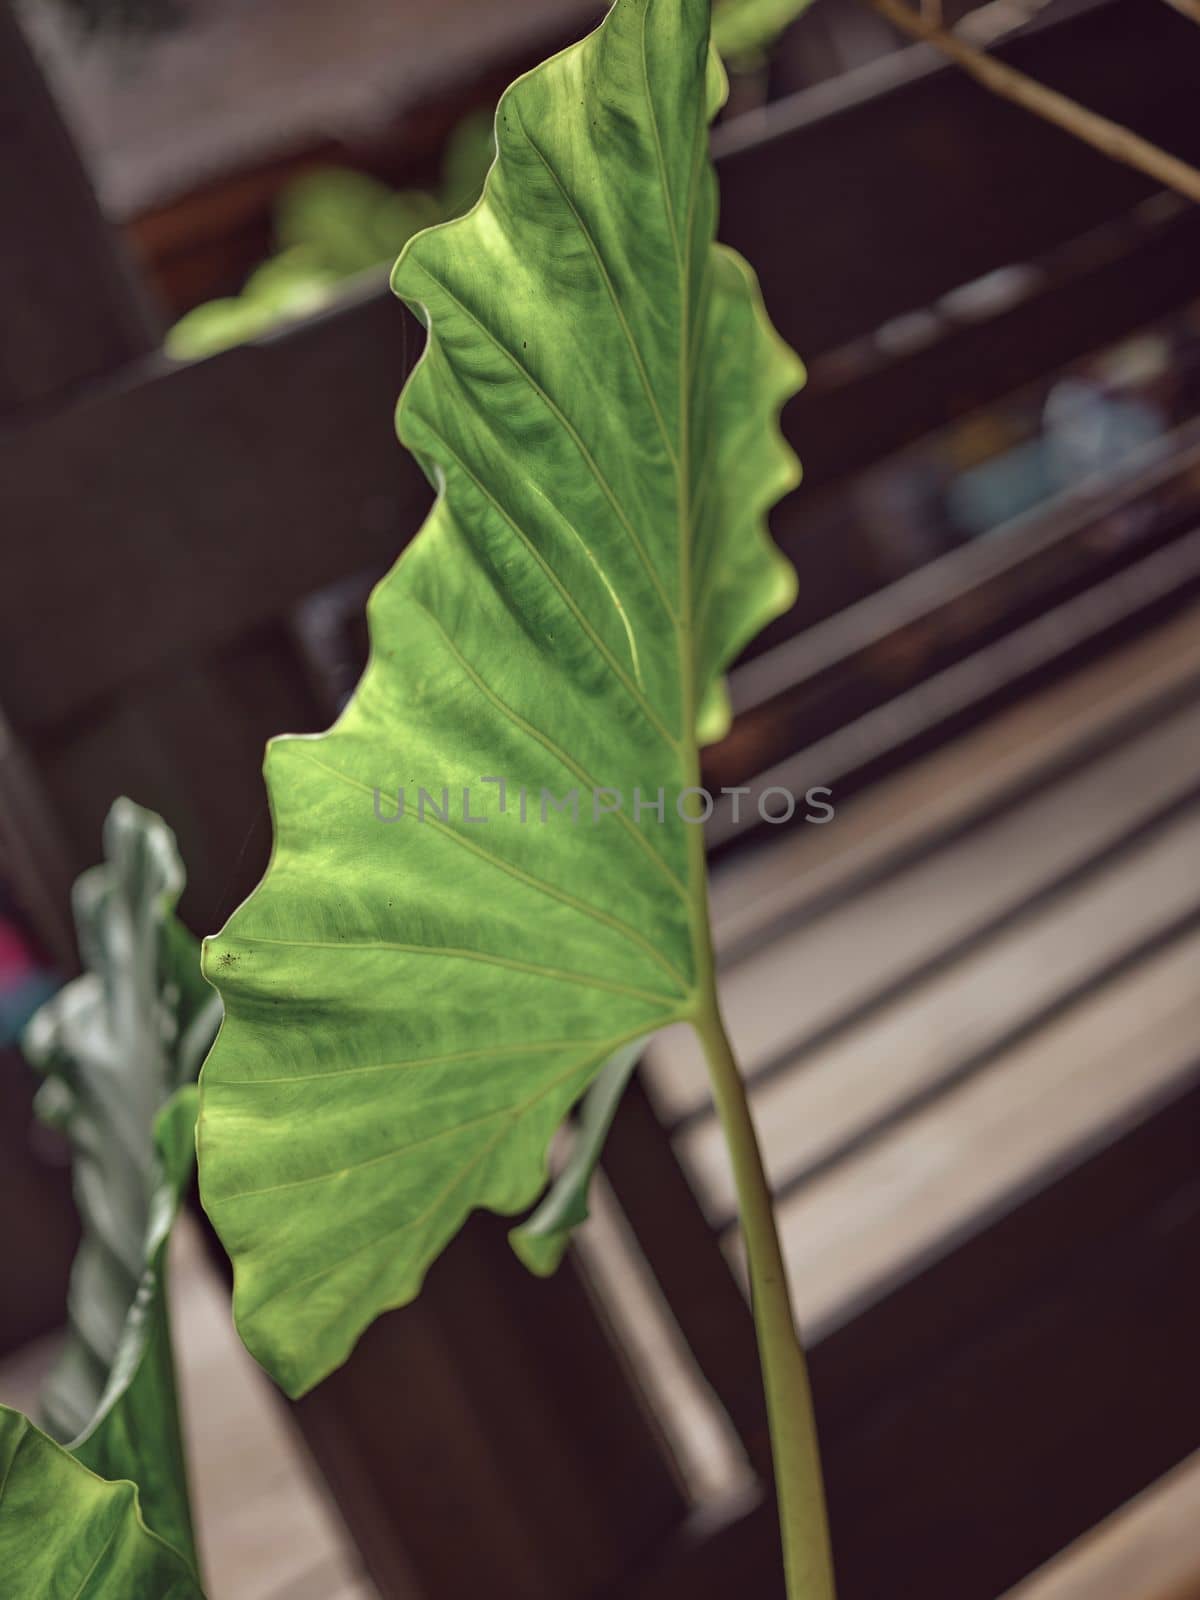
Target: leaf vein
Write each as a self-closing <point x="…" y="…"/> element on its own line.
<point x="631" y="688"/>
<point x="461" y="953"/>
<point x="448" y="1058"/>
<point x="424" y="1143"/>
<point x="553" y="748"/>
<point x="590" y="240"/>
<point x="656" y="134"/>
<point x="582" y="906"/>
<point x="100" y="1554"/>
<point x="26" y="1430"/>
<point x="569" y="429"/>
<point x="440" y="1199"/>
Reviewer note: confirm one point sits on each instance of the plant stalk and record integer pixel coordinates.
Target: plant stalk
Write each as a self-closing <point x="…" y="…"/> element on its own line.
<point x="807" y="1561"/>
<point x="1109" y="137"/>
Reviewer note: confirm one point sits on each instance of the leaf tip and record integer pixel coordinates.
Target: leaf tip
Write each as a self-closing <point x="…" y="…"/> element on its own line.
<point x="539" y="1253"/>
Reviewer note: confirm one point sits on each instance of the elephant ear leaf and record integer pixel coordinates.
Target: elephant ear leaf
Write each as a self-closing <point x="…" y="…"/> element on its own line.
<point x="120" y="1047"/>
<point x="68" y="1532"/>
<point x="414" y="998"/>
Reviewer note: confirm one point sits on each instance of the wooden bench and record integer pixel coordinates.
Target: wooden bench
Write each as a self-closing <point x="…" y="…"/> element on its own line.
<point x="968" y="1021"/>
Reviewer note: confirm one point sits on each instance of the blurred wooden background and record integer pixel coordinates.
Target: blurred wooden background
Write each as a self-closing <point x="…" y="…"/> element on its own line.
<point x="968" y="1006"/>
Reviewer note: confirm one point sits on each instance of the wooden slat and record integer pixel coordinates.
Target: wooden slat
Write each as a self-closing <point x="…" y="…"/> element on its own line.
<point x="493" y="1404"/>
<point x="69" y="311"/>
<point x="1113" y="286"/>
<point x="235" y="88"/>
<point x="914" y="180"/>
<point x="188" y="744"/>
<point x="907" y="939"/>
<point x="974" y="778"/>
<point x="975" y="1145"/>
<point x="970" y="1149"/>
<point x="685" y="1258"/>
<point x="266" y="1525"/>
<point x="704" y="1442"/>
<point x="202" y="238"/>
<point x="954" y="623"/>
<point x="1033" y="1374"/>
<point x="979" y="927"/>
<point x="1148" y="1550"/>
<point x="848" y="1092"/>
<point x="1027" y="1378"/>
<point x="899" y="1257"/>
<point x="191" y="485"/>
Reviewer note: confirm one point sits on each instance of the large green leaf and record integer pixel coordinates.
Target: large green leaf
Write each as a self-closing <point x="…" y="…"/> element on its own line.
<point x="121" y="1047"/>
<point x="413" y="1006"/>
<point x="66" y="1534"/>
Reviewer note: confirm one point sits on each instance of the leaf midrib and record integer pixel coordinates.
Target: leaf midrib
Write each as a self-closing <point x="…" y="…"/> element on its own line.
<point x="702" y="961"/>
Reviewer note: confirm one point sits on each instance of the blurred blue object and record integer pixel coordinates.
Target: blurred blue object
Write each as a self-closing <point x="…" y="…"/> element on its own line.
<point x="24" y="982"/>
<point x="1086" y="434"/>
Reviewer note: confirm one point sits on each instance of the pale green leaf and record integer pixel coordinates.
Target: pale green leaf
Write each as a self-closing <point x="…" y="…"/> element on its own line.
<point x="413" y="1006"/>
<point x="120" y="1047"/>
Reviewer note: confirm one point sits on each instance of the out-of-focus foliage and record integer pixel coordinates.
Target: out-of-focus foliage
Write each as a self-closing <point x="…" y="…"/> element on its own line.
<point x="120" y="1047"/>
<point x="744" y="30"/>
<point x="332" y="224"/>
